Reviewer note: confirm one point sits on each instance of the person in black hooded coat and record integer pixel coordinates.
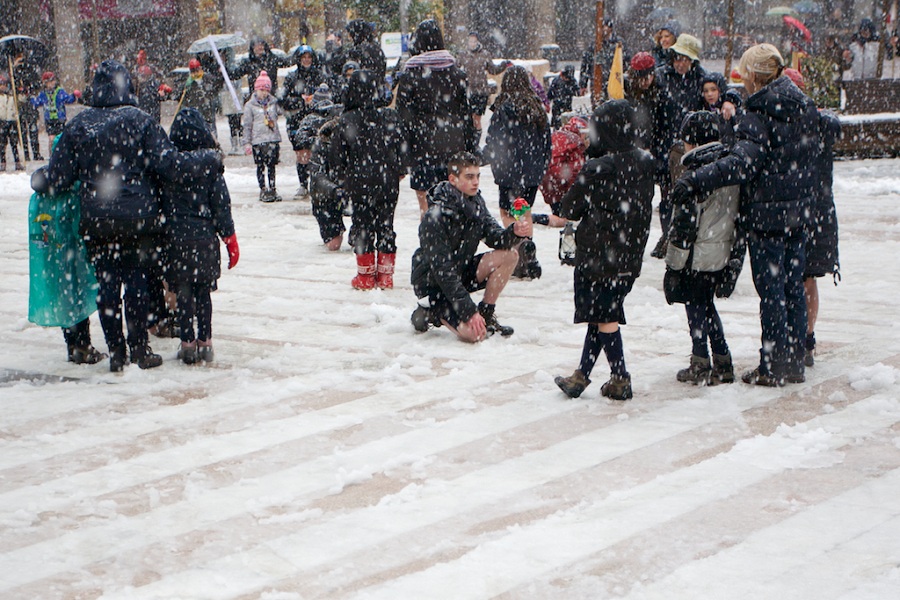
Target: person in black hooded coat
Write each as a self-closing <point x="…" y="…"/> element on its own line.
<point x="261" y="58"/>
<point x="119" y="153"/>
<point x="822" y="237"/>
<point x="196" y="212"/>
<point x="295" y="97"/>
<point x="433" y="104"/>
<point x="613" y="198"/>
<point x="367" y="155"/>
<point x="366" y="51"/>
<point x="773" y="159"/>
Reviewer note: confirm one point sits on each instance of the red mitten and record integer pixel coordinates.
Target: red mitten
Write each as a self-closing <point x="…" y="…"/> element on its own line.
<point x="234" y="252"/>
<point x="77" y="94"/>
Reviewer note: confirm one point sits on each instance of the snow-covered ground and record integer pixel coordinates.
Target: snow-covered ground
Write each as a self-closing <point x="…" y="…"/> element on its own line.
<point x="330" y="452"/>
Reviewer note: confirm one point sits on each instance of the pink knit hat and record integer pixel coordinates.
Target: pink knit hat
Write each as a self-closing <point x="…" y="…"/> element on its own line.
<point x="263" y="82"/>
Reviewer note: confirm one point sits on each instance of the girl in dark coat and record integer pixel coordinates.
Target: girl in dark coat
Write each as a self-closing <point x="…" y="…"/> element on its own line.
<point x="433" y="106"/>
<point x="613" y="198"/>
<point x="822" y="238"/>
<point x="518" y="148"/>
<point x="196" y="212"/>
<point x="367" y="155"/>
<point x="777" y="141"/>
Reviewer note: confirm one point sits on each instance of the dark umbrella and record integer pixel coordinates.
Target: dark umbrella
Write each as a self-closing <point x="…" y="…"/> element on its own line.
<point x="32" y="51"/>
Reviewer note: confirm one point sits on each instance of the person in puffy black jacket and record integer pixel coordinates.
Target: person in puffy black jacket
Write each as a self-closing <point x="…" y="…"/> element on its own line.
<point x="433" y="105"/>
<point x="446" y="267"/>
<point x="296" y="99"/>
<point x="326" y="190"/>
<point x="118" y="153"/>
<point x="366" y="51"/>
<point x="773" y="159"/>
<point x="196" y="213"/>
<point x="822" y="237"/>
<point x="367" y="154"/>
<point x="613" y="198"/>
<point x="260" y="58"/>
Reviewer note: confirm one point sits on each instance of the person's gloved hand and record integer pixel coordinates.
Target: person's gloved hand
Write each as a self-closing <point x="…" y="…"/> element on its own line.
<point x="77" y="94"/>
<point x="164" y="90"/>
<point x="39" y="181"/>
<point x="681" y="191"/>
<point x="728" y="279"/>
<point x="234" y="252"/>
<point x="248" y="149"/>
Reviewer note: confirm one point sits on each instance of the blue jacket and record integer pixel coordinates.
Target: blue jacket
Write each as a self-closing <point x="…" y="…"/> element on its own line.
<point x="773" y="159"/>
<point x="55" y="102"/>
<point x="119" y="153"/>
<point x="519" y="152"/>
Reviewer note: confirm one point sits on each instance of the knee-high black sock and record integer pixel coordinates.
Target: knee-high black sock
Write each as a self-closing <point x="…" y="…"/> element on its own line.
<point x="261" y="175"/>
<point x="615" y="352"/>
<point x="591" y="350"/>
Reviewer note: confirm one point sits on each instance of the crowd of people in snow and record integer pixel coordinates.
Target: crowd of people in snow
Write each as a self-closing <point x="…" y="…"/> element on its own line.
<point x="736" y="171"/>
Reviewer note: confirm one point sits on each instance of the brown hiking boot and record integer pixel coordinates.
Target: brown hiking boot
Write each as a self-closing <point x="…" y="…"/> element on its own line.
<point x="617" y="388"/>
<point x="573" y="385"/>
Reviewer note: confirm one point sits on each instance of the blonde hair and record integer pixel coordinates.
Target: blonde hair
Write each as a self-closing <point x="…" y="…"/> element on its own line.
<point x="764" y="61"/>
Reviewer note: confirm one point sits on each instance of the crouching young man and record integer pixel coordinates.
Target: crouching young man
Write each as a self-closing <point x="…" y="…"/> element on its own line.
<point x="446" y="268"/>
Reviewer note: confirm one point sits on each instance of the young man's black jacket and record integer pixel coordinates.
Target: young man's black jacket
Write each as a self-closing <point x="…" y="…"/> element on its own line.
<point x="365" y="51"/>
<point x="773" y="158"/>
<point x="302" y="81"/>
<point x="253" y="65"/>
<point x="612" y="197"/>
<point x="449" y="235"/>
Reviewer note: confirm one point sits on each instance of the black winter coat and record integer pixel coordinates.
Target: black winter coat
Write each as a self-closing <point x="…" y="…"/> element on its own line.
<point x="686" y="91"/>
<point x="561" y="93"/>
<point x="519" y="152"/>
<point x="773" y="158"/>
<point x="655" y="116"/>
<point x="434" y="109"/>
<point x="613" y="198"/>
<point x="299" y="83"/>
<point x="822" y="243"/>
<point x="118" y="152"/>
<point x="197" y="211"/>
<point x="365" y="51"/>
<point x="367" y="145"/>
<point x="449" y="235"/>
<point x="253" y="65"/>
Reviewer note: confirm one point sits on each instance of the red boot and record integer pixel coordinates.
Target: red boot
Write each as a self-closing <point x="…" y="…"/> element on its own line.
<point x="385" y="276"/>
<point x="365" y="272"/>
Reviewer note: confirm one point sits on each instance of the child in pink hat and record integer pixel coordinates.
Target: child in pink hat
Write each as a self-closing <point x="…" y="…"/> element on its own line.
<point x="261" y="135"/>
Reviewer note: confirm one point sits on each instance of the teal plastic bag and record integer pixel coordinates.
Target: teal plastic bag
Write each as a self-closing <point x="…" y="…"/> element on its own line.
<point x="63" y="288"/>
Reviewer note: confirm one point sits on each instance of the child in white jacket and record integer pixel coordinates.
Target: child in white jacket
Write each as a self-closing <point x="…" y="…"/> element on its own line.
<point x="261" y="135"/>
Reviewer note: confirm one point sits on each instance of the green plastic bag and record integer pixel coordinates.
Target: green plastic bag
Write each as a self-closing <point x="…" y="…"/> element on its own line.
<point x="63" y="288"/>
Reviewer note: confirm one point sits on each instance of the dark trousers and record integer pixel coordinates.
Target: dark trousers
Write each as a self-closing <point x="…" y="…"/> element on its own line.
<point x="119" y="263"/>
<point x="704" y="322"/>
<point x="30" y="132"/>
<point x="194" y="300"/>
<point x="235" y="127"/>
<point x="79" y="334"/>
<point x="9" y="135"/>
<point x="777" y="260"/>
<point x="665" y="207"/>
<point x="372" y="226"/>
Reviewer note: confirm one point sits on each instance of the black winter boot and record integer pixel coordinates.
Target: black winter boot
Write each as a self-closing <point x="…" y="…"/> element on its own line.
<point x="617" y="388"/>
<point x="144" y="357"/>
<point x="723" y="369"/>
<point x="698" y="373"/>
<point x="756" y="377"/>
<point x="490" y="320"/>
<point x="574" y="385"/>
<point x="118" y="358"/>
<point x="659" y="251"/>
<point x="85" y="355"/>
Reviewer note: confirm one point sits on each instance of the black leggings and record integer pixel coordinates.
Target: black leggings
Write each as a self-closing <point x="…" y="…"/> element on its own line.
<point x="194" y="301"/>
<point x="9" y="135"/>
